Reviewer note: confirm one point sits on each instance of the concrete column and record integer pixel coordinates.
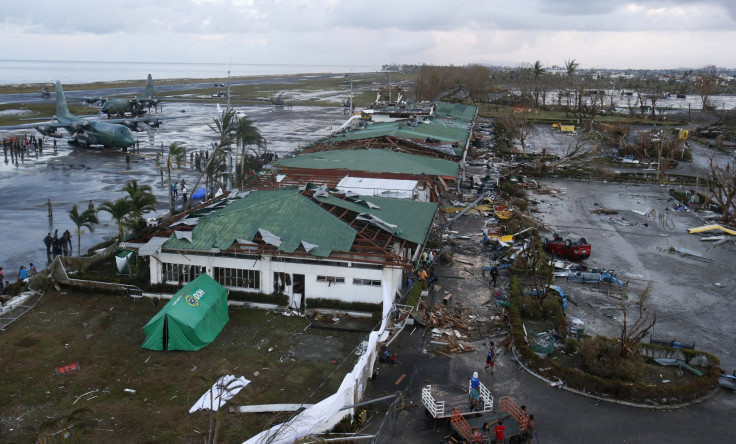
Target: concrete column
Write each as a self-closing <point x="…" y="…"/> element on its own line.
<point x="266" y="276"/>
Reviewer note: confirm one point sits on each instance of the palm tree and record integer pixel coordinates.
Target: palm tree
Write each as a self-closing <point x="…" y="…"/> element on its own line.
<point x="177" y="153"/>
<point x="85" y="219"/>
<point x="571" y="66"/>
<point x="247" y="134"/>
<point x="224" y="126"/>
<point x="141" y="200"/>
<point x="537" y="71"/>
<point x="119" y="211"/>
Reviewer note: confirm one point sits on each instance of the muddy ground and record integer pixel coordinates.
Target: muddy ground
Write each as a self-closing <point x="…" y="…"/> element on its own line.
<point x="286" y="361"/>
<point x="692" y="296"/>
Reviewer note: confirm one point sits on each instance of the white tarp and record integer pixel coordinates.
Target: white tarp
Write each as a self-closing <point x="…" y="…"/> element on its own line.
<point x="324" y="414"/>
<point x="225" y="388"/>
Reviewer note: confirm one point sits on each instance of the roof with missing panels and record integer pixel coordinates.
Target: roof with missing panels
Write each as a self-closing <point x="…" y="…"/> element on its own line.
<point x="284" y="213"/>
<point x="405" y="219"/>
<point x="287" y="219"/>
<point x="374" y="161"/>
<point x="456" y="111"/>
<point x="441" y="130"/>
<point x="450" y="125"/>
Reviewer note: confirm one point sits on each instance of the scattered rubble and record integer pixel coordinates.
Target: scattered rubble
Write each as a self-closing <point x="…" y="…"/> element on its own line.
<point x="453" y="328"/>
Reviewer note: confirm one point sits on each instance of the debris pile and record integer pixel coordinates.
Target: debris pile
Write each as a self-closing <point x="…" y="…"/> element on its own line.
<point x="450" y="327"/>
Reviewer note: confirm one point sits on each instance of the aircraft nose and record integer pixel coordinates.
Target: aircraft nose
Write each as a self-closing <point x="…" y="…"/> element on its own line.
<point x="128" y="139"/>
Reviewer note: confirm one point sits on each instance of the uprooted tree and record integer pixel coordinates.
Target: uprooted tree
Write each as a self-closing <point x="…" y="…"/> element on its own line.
<point x="722" y="186"/>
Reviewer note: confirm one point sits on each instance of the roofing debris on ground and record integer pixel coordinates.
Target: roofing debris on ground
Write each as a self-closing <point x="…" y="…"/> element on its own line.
<point x="452" y="326"/>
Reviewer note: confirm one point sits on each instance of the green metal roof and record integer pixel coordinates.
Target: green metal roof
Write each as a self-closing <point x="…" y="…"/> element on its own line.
<point x="446" y="131"/>
<point x="375" y="161"/>
<point x="450" y="124"/>
<point x="456" y="111"/>
<point x="410" y="219"/>
<point x="284" y="213"/>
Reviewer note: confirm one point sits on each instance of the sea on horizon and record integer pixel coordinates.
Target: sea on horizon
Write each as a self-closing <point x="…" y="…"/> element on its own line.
<point x="16" y="72"/>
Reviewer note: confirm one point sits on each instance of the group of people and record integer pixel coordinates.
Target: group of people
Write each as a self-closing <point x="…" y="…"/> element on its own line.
<point x="17" y="146"/>
<point x="424" y="272"/>
<point x="175" y="191"/>
<point x="498" y="433"/>
<point x="57" y="245"/>
<point x="23" y="274"/>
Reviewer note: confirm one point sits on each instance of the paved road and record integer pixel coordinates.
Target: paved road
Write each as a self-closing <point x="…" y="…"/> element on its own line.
<point x="561" y="416"/>
<point x="158" y="88"/>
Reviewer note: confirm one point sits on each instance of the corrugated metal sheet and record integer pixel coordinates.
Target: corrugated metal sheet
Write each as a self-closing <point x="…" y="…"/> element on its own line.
<point x="152" y="246"/>
<point x="457" y="111"/>
<point x="284" y="213"/>
<point x="412" y="219"/>
<point x="438" y="130"/>
<point x="375" y="161"/>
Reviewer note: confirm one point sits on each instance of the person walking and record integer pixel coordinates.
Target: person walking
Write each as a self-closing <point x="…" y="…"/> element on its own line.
<point x="475" y="382"/>
<point x="22" y="273"/>
<point x="48" y="241"/>
<point x="529" y="429"/>
<point x="491" y="358"/>
<point x="412" y="278"/>
<point x="67" y="239"/>
<point x="499" y="432"/>
<point x="51" y="212"/>
<point x="494" y="276"/>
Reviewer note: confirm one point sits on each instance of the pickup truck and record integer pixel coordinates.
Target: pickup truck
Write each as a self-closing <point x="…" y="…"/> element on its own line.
<point x="573" y="250"/>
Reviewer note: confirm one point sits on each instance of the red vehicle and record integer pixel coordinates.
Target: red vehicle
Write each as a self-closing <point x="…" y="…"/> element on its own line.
<point x="567" y="248"/>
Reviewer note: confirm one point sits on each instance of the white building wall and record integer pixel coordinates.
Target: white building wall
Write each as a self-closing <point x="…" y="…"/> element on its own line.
<point x="344" y="291"/>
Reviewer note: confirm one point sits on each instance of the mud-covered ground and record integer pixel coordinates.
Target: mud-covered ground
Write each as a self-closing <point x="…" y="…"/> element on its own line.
<point x="77" y="175"/>
<point x="693" y="296"/>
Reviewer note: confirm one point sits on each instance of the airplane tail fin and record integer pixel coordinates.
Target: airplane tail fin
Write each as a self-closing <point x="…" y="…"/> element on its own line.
<point x="148" y="93"/>
<point x="62" y="110"/>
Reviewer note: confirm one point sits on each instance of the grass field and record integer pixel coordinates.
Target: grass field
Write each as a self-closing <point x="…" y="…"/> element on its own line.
<point x="104" y="333"/>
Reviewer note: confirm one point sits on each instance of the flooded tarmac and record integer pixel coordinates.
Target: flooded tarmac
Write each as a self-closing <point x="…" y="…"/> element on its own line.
<point x="77" y="175"/>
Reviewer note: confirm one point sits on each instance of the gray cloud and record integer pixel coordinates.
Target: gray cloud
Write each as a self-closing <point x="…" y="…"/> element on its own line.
<point x="348" y="31"/>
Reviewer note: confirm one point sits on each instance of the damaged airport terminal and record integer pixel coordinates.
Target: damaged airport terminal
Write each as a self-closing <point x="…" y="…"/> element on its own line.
<point x="341" y="229"/>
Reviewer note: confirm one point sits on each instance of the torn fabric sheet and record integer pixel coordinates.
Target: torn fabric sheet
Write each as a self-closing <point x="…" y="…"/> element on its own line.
<point x="225" y="388"/>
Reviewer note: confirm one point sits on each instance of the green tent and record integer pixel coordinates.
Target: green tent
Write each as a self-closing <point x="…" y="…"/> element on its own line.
<point x="191" y="319"/>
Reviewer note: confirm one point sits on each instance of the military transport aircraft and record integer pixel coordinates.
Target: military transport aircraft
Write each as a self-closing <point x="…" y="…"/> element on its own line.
<point x="85" y="132"/>
<point x="136" y="106"/>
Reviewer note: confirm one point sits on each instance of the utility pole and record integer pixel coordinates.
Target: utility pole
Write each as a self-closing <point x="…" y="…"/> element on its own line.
<point x="228" y="83"/>
<point x="349" y="77"/>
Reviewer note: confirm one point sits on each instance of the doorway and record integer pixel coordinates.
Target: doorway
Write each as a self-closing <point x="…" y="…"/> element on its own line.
<point x="299" y="296"/>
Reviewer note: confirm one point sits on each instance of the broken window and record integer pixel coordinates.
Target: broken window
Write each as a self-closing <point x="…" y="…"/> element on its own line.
<point x="181" y="273"/>
<point x="331" y="280"/>
<point x="370" y="282"/>
<point x="238" y="278"/>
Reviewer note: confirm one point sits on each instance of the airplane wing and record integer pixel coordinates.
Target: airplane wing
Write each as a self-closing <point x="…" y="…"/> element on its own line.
<point x="77" y="127"/>
<point x="143" y="123"/>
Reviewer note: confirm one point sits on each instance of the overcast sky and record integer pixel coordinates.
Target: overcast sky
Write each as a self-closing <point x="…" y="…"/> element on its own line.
<point x="596" y="33"/>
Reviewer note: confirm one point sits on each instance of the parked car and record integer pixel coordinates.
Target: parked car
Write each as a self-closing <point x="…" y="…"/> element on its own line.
<point x="575" y="251"/>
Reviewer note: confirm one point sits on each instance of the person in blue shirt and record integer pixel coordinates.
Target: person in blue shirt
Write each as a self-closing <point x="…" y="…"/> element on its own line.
<point x="475" y="382"/>
<point x="22" y="273"/>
